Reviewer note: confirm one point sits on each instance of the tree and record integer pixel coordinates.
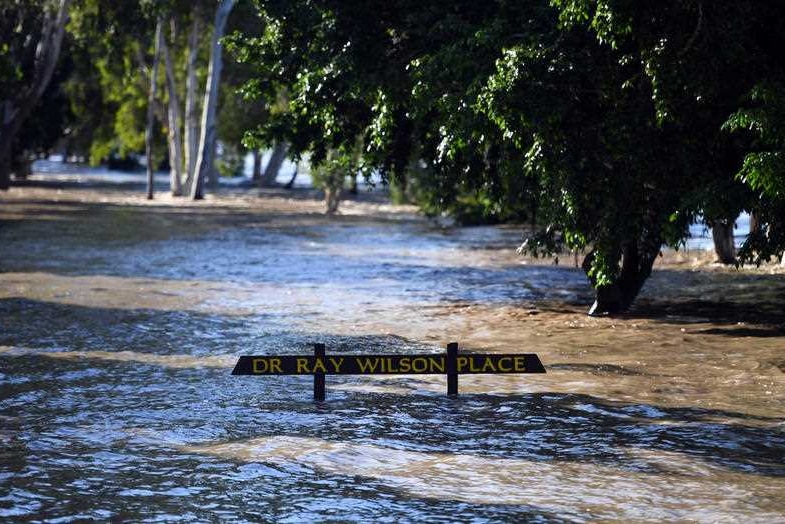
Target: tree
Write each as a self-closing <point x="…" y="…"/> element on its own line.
<point x="724" y="246"/>
<point x="148" y="134"/>
<point x="175" y="121"/>
<point x="759" y="122"/>
<point x="28" y="57"/>
<point x="207" y="140"/>
<point x="114" y="46"/>
<point x="274" y="164"/>
<point x="731" y="54"/>
<point x="603" y="118"/>
<point x="191" y="107"/>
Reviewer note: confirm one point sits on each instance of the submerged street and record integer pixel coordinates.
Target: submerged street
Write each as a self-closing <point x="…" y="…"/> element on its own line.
<point x="121" y="320"/>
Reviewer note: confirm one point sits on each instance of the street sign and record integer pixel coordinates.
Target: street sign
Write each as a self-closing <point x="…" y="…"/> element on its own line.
<point x="451" y="364"/>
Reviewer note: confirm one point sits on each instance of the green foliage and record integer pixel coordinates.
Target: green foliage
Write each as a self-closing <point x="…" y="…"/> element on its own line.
<point x="611" y="124"/>
<point x="18" y="21"/>
<point x="21" y="23"/>
<point x="763" y="168"/>
<point x="231" y="161"/>
<point x="759" y="122"/>
<point x="331" y="172"/>
<point x="109" y="47"/>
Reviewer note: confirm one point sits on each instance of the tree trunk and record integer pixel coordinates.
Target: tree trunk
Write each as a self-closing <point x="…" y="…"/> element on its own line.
<point x="332" y="197"/>
<point x="213" y="173"/>
<point x="7" y="133"/>
<point x="207" y="140"/>
<point x="290" y="183"/>
<point x="148" y="132"/>
<point x="754" y="223"/>
<point x="353" y="185"/>
<point x="274" y="164"/>
<point x="191" y="107"/>
<point x="175" y="120"/>
<point x="722" y="233"/>
<point x="17" y="107"/>
<point x="637" y="260"/>
<point x="257" y="166"/>
<point x="22" y="165"/>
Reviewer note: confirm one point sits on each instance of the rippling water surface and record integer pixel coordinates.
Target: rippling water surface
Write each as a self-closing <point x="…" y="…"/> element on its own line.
<point x="120" y="323"/>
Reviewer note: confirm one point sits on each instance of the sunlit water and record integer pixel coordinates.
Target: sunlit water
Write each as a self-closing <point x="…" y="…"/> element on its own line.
<point x="120" y="323"/>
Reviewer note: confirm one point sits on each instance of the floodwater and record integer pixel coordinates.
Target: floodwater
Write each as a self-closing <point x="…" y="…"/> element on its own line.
<point x="120" y="321"/>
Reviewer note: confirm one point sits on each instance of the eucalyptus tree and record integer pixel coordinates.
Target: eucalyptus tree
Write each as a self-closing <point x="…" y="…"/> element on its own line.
<point x="175" y="121"/>
<point x="208" y="136"/>
<point x="123" y="40"/>
<point x="114" y="44"/>
<point x="151" y="100"/>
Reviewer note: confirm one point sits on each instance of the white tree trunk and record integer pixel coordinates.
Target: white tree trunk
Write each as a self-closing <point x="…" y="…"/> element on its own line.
<point x="191" y="105"/>
<point x="148" y="132"/>
<point x="16" y="107"/>
<point x="207" y="139"/>
<point x="175" y="121"/>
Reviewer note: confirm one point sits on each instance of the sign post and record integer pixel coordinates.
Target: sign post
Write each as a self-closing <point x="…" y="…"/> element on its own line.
<point x="452" y="368"/>
<point x="318" y="378"/>
<point x="450" y="363"/>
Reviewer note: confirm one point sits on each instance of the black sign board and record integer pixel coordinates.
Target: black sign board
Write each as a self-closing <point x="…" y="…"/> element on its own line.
<point x="451" y="364"/>
<point x="386" y="364"/>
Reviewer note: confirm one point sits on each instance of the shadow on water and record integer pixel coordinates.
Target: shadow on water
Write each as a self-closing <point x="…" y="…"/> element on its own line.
<point x="135" y="182"/>
<point x="720" y="297"/>
<point x="131" y="427"/>
<point x="417" y="260"/>
<point x="52" y="326"/>
<point x="764" y="310"/>
<point x="541" y="426"/>
<point x="402" y="264"/>
<point x="127" y="401"/>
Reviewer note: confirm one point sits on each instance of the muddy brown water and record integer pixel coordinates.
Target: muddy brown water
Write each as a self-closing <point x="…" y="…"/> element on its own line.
<point x="120" y="321"/>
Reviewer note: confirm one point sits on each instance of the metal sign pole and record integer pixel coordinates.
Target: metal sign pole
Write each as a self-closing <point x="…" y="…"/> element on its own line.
<point x="452" y="368"/>
<point x="318" y="378"/>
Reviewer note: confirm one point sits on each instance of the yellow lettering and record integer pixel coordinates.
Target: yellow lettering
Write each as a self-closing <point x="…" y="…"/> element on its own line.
<point x="275" y="365"/>
<point x="405" y="364"/>
<point x="336" y="362"/>
<point x="509" y="364"/>
<point x="436" y="364"/>
<point x="302" y="365"/>
<point x="319" y="367"/>
<point x="367" y="365"/>
<point x="419" y="364"/>
<point x="488" y="364"/>
<point x="462" y="361"/>
<point x="391" y="366"/>
<point x="260" y="365"/>
<point x="519" y="363"/>
<point x="472" y="367"/>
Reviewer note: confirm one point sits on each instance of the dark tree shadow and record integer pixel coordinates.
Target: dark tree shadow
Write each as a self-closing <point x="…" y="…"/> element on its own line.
<point x="544" y="426"/>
